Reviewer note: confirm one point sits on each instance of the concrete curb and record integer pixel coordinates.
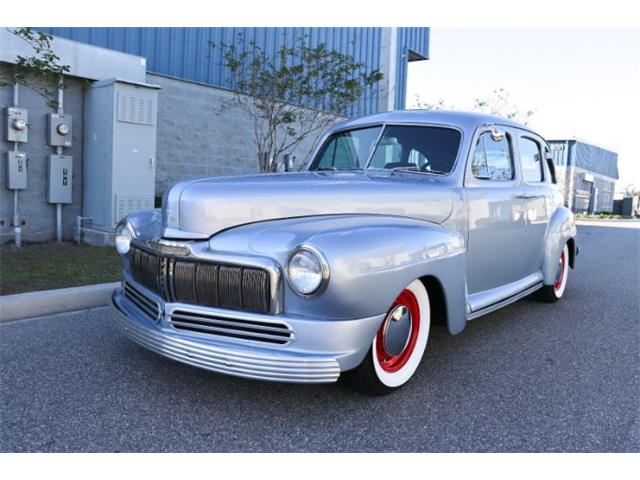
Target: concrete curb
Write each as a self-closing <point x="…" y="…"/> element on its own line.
<point x="48" y="302"/>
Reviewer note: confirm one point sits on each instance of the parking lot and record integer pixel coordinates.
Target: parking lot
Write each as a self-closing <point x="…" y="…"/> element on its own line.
<point x="531" y="377"/>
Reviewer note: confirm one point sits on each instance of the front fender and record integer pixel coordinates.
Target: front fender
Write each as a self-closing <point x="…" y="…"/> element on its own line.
<point x="371" y="259"/>
<point x="561" y="229"/>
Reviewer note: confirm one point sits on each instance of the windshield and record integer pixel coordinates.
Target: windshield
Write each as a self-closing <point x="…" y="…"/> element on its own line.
<point x="427" y="149"/>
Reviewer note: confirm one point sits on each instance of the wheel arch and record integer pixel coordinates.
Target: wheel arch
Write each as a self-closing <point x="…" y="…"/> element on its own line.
<point x="571" y="242"/>
<point x="560" y="232"/>
<point x="437" y="299"/>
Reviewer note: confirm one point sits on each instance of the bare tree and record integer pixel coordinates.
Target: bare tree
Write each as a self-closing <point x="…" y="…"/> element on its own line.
<point x="273" y="91"/>
<point x="41" y="71"/>
<point x="497" y="103"/>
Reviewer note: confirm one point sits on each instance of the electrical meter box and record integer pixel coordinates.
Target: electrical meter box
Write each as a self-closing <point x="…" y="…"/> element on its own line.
<point x="119" y="169"/>
<point x="60" y="179"/>
<point x="17" y="124"/>
<point x="59" y="129"/>
<point x="16" y="170"/>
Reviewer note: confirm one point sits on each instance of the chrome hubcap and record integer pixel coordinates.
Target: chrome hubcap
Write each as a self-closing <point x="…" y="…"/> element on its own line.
<point x="397" y="330"/>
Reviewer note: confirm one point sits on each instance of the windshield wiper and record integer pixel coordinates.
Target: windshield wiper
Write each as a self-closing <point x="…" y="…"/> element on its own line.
<point x="416" y="169"/>
<point x="334" y="169"/>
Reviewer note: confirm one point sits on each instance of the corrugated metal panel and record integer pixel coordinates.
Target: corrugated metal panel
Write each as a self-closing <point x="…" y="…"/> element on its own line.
<point x="416" y="40"/>
<point x="186" y="52"/>
<point x="586" y="156"/>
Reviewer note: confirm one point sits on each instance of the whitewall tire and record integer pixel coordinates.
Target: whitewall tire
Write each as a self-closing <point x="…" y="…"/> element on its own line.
<point x="399" y="344"/>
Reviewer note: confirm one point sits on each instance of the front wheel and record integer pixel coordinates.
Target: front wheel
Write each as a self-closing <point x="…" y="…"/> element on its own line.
<point x="399" y="344"/>
<point x="553" y="293"/>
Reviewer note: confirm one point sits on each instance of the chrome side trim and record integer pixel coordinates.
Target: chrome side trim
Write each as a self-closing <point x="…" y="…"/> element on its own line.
<point x="253" y="364"/>
<point x="481" y="300"/>
<point x="505" y="302"/>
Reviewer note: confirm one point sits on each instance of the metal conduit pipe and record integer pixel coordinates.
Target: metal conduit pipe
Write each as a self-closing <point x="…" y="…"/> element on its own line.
<point x="17" y="230"/>
<point x="59" y="151"/>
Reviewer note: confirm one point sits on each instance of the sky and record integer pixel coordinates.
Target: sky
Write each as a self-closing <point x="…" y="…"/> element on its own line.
<point x="580" y="83"/>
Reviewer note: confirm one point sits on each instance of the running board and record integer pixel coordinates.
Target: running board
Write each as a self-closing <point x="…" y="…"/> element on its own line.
<point x="504" y="302"/>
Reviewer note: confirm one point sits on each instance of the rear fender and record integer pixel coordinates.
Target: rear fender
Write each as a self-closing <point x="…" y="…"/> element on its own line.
<point x="561" y="229"/>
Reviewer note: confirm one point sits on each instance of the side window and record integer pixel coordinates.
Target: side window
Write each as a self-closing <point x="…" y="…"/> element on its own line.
<point x="531" y="160"/>
<point x="492" y="159"/>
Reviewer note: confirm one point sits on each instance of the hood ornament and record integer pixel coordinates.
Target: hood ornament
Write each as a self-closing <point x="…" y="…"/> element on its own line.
<point x="168" y="247"/>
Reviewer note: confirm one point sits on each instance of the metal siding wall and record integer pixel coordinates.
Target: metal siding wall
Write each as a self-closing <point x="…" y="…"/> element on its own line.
<point x="185" y="52"/>
<point x="409" y="38"/>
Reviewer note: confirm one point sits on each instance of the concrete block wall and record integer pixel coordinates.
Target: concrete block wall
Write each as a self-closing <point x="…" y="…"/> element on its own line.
<point x="195" y="138"/>
<point x="39" y="217"/>
<point x="198" y="138"/>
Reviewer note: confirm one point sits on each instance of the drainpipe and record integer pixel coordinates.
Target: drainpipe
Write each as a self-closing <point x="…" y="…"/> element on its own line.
<point x="571" y="172"/>
<point x="59" y="151"/>
<point x="17" y="230"/>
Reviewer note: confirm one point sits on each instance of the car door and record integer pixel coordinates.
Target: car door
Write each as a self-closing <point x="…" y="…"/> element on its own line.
<point x="537" y="198"/>
<point x="496" y="212"/>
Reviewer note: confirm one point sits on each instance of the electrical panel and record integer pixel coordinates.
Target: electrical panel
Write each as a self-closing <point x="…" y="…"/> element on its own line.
<point x="60" y="179"/>
<point x="59" y="129"/>
<point x="17" y="170"/>
<point x="119" y="166"/>
<point x="17" y="124"/>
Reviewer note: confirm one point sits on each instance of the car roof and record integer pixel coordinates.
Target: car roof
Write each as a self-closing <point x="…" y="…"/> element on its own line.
<point x="464" y="120"/>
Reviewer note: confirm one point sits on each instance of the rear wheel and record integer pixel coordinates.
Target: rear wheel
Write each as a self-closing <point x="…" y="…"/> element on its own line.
<point x="553" y="293"/>
<point x="399" y="344"/>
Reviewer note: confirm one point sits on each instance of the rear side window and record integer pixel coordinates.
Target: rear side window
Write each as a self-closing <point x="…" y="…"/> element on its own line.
<point x="492" y="158"/>
<point x="531" y="160"/>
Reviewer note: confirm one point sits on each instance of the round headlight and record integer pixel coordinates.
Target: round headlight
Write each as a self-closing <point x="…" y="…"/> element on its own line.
<point x="124" y="235"/>
<point x="307" y="271"/>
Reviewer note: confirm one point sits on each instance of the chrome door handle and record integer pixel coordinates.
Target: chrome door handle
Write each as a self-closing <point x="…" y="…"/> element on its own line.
<point x="529" y="195"/>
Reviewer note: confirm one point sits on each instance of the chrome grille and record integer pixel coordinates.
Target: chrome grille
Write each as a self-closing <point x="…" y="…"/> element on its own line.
<point x="142" y="302"/>
<point x="269" y="332"/>
<point x="202" y="283"/>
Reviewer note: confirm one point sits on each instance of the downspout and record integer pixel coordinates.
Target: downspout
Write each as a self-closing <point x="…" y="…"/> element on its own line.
<point x="17" y="230"/>
<point x="571" y="175"/>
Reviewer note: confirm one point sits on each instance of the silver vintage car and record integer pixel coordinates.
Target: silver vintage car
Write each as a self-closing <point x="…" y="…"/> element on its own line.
<point x="398" y="220"/>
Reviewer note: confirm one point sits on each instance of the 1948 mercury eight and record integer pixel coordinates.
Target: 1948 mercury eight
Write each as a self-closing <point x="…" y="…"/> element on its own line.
<point x="398" y="220"/>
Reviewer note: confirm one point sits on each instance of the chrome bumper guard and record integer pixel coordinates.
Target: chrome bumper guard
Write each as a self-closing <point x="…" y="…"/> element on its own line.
<point x="254" y="363"/>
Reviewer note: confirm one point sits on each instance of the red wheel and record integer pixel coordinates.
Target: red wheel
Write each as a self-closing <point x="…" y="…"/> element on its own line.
<point x="397" y="336"/>
<point x="554" y="292"/>
<point x="560" y="282"/>
<point x="399" y="343"/>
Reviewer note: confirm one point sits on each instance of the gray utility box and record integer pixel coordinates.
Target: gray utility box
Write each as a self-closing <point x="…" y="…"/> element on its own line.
<point x="59" y="183"/>
<point x="59" y="129"/>
<point x="17" y="124"/>
<point x="16" y="170"/>
<point x="119" y="150"/>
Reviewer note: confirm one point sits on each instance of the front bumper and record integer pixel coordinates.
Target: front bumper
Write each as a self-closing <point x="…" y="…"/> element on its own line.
<point x="320" y="350"/>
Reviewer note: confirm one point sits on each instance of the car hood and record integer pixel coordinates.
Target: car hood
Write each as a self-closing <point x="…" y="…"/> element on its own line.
<point x="202" y="208"/>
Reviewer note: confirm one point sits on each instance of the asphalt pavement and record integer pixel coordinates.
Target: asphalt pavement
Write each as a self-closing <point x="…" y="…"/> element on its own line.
<point x="530" y="377"/>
